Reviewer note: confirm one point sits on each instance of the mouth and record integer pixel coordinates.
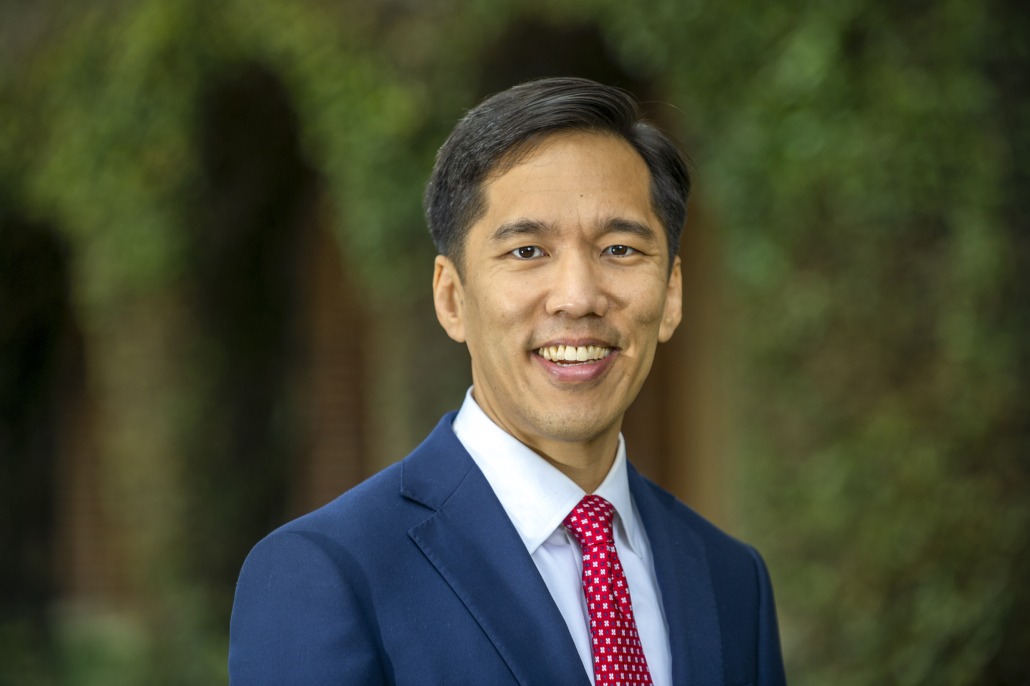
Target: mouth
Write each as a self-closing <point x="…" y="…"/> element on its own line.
<point x="566" y="355"/>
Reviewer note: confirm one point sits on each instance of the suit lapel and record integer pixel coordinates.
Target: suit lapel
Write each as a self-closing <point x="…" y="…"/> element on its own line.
<point x="471" y="542"/>
<point x="686" y="589"/>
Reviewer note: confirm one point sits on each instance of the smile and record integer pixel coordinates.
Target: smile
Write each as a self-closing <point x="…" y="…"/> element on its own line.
<point x="574" y="353"/>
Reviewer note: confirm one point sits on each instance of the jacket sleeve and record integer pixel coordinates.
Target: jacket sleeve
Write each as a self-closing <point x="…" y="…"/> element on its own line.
<point x="298" y="618"/>
<point x="769" y="659"/>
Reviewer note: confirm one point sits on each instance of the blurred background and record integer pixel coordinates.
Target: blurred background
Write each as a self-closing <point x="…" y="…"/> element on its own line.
<point x="215" y="311"/>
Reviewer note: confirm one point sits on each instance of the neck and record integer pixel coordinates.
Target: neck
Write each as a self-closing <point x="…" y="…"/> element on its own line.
<point x="587" y="464"/>
<point x="585" y="458"/>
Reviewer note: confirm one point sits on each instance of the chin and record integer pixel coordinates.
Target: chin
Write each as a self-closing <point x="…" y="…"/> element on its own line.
<point x="575" y="427"/>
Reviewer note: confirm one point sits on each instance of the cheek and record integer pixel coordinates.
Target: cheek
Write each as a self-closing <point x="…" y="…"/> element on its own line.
<point x="496" y="318"/>
<point x="648" y="307"/>
<point x="506" y="306"/>
<point x="642" y="296"/>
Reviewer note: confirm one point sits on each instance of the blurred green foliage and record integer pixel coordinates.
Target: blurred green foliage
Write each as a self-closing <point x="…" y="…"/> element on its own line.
<point x="865" y="161"/>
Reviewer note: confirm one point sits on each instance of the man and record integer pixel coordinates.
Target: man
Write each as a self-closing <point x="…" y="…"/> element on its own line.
<point x="516" y="545"/>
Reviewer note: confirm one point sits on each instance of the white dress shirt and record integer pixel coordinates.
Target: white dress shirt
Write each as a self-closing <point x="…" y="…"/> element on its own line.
<point x="537" y="497"/>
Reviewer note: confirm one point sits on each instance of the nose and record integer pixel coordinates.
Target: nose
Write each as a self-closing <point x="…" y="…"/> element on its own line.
<point x="577" y="287"/>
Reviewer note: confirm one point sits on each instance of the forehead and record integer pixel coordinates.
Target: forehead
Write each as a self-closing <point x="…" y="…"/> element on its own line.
<point x="572" y="176"/>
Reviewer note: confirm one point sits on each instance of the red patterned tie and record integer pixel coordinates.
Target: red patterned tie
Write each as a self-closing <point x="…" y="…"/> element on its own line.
<point x="618" y="658"/>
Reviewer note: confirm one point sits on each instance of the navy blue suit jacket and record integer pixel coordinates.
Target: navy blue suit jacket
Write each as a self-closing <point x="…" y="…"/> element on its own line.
<point x="418" y="577"/>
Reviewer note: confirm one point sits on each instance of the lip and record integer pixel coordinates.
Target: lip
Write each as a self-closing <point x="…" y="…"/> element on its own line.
<point x="578" y="372"/>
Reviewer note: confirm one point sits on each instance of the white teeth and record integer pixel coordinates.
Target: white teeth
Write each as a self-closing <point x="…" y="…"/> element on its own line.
<point x="573" y="353"/>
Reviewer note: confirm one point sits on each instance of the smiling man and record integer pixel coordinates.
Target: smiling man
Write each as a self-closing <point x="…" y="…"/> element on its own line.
<point x="517" y="545"/>
<point x="562" y="290"/>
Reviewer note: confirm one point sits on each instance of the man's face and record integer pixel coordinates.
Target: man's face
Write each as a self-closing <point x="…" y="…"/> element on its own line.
<point x="565" y="291"/>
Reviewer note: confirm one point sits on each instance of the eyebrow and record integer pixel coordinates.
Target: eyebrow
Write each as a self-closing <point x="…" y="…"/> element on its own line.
<point x="619" y="225"/>
<point x="521" y="227"/>
<point x="532" y="227"/>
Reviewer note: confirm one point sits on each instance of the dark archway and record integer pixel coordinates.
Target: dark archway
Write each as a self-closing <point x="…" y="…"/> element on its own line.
<point x="41" y="374"/>
<point x="278" y="426"/>
<point x="533" y="48"/>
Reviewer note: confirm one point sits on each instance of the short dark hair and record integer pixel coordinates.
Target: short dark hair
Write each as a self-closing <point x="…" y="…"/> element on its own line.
<point x="505" y="127"/>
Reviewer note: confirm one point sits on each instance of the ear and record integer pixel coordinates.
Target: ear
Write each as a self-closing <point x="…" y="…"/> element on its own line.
<point x="673" y="303"/>
<point x="449" y="298"/>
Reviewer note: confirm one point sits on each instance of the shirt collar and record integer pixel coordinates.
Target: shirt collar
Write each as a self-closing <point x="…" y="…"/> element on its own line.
<point x="536" y="495"/>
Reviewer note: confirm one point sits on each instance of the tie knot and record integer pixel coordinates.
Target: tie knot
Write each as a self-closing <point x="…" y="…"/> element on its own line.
<point x="590" y="522"/>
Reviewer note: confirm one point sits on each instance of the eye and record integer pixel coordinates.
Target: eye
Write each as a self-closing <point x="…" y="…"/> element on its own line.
<point x="619" y="251"/>
<point x="527" y="252"/>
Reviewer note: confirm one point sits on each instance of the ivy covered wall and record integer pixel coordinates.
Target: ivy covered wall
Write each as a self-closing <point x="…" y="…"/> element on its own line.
<point x="862" y="162"/>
